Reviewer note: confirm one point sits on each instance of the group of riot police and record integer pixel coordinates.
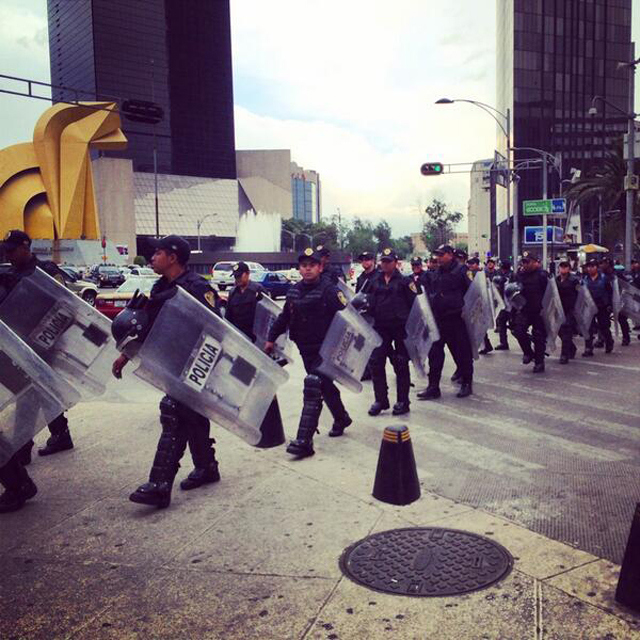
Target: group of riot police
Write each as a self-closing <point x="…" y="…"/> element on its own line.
<point x="383" y="297"/>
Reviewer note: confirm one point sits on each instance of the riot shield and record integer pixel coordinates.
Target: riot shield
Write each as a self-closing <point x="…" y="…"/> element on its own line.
<point x="552" y="313"/>
<point x="207" y="364"/>
<point x="266" y="313"/>
<point x="496" y="301"/>
<point x="347" y="291"/>
<point x="584" y="311"/>
<point x="32" y="394"/>
<point x="616" y="303"/>
<point x="422" y="332"/>
<point x="347" y="348"/>
<point x="71" y="336"/>
<point x="477" y="313"/>
<point x="630" y="301"/>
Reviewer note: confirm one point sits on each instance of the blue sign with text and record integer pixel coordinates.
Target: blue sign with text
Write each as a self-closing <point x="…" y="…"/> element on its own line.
<point x="533" y="235"/>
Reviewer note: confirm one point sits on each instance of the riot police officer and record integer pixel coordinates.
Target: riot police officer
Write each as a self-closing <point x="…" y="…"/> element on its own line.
<point x="242" y="301"/>
<point x="601" y="291"/>
<point x="180" y="423"/>
<point x="502" y="321"/>
<point x="308" y="311"/>
<point x="568" y="285"/>
<point x="609" y="272"/>
<point x="416" y="270"/>
<point x="490" y="273"/>
<point x="369" y="271"/>
<point x="533" y="281"/>
<point x="332" y="272"/>
<point x="390" y="299"/>
<point x="446" y="288"/>
<point x="17" y="248"/>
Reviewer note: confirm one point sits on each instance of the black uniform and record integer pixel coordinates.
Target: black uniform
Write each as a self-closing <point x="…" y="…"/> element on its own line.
<point x="445" y="288"/>
<point x="534" y="284"/>
<point x="180" y="423"/>
<point x="568" y="290"/>
<point x="601" y="290"/>
<point x="333" y="273"/>
<point x="390" y="303"/>
<point x="623" y="320"/>
<point x="501" y="279"/>
<point x="241" y="308"/>
<point x="364" y="278"/>
<point x="308" y="311"/>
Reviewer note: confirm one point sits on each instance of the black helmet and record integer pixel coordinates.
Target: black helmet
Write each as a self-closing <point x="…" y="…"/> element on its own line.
<point x="513" y="296"/>
<point x="132" y="323"/>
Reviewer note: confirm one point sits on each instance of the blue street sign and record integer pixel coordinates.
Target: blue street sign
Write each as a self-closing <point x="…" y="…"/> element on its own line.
<point x="558" y="206"/>
<point x="533" y="235"/>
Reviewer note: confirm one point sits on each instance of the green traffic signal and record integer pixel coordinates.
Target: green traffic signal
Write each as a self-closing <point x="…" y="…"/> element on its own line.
<point x="432" y="169"/>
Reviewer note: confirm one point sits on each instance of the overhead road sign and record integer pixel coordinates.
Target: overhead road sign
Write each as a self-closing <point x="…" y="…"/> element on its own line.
<point x="552" y="207"/>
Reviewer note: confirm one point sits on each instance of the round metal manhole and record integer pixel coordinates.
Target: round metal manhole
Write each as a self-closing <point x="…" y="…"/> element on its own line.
<point x="426" y="562"/>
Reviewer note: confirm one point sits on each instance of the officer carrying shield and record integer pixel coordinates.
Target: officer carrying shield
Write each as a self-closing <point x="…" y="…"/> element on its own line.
<point x="17" y="249"/>
<point x="308" y="311"/>
<point x="242" y="301"/>
<point x="329" y="271"/>
<point x="601" y="291"/>
<point x="180" y="423"/>
<point x="568" y="285"/>
<point x="502" y="321"/>
<point x="607" y="267"/>
<point x="416" y="270"/>
<point x="369" y="271"/>
<point x="533" y="281"/>
<point x="390" y="299"/>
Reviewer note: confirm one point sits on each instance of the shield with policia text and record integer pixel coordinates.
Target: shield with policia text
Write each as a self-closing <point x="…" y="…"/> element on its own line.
<point x="584" y="311"/>
<point x="204" y="362"/>
<point x="497" y="303"/>
<point x="347" y="348"/>
<point x="422" y="332"/>
<point x="71" y="336"/>
<point x="552" y="313"/>
<point x="630" y="301"/>
<point x="32" y="394"/>
<point x="477" y="313"/>
<point x="266" y="313"/>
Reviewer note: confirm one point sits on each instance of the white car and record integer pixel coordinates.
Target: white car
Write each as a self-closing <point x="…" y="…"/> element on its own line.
<point x="222" y="276"/>
<point x="140" y="272"/>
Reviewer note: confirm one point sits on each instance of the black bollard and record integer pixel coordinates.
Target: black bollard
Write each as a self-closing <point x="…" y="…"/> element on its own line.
<point x="396" y="476"/>
<point x="271" y="428"/>
<point x="628" y="590"/>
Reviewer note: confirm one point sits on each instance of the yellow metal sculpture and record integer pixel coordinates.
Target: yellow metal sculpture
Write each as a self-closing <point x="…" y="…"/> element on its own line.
<point x="46" y="186"/>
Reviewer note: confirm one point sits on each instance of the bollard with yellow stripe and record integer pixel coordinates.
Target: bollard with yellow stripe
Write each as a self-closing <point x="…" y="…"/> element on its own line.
<point x="396" y="476"/>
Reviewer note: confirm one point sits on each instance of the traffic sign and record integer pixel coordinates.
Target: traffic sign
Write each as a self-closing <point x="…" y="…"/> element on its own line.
<point x="535" y="235"/>
<point x="553" y="207"/>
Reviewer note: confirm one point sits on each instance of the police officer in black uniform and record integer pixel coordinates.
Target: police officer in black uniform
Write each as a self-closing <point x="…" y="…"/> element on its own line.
<point x="308" y="311"/>
<point x="17" y="249"/>
<point x="607" y="268"/>
<point x="369" y="271"/>
<point x="242" y="301"/>
<point x="634" y="279"/>
<point x="332" y="272"/>
<point x="601" y="290"/>
<point x="533" y="281"/>
<point x="416" y="270"/>
<point x="568" y="286"/>
<point x="446" y="288"/>
<point x="180" y="423"/>
<point x="502" y="321"/>
<point x="390" y="300"/>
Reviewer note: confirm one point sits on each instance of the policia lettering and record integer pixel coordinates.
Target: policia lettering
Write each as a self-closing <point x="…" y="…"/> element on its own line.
<point x="200" y="368"/>
<point x="52" y="326"/>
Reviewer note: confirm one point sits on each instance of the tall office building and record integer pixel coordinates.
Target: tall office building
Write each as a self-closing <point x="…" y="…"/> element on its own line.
<point x="174" y="53"/>
<point x="306" y="194"/>
<point x="553" y="57"/>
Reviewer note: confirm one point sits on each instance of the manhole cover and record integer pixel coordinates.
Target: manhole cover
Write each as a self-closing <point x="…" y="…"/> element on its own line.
<point x="426" y="562"/>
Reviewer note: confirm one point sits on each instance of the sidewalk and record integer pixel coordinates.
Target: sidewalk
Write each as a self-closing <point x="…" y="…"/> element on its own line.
<point x="256" y="555"/>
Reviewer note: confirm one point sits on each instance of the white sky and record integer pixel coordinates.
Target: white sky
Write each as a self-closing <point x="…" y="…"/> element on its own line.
<point x="347" y="85"/>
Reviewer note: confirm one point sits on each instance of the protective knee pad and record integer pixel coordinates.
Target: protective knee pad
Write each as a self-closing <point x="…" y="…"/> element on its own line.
<point x="311" y="407"/>
<point x="169" y="415"/>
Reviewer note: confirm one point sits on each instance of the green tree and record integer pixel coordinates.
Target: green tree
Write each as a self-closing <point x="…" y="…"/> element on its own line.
<point x="359" y="237"/>
<point x="403" y="246"/>
<point x="439" y="223"/>
<point x="382" y="233"/>
<point x="141" y="261"/>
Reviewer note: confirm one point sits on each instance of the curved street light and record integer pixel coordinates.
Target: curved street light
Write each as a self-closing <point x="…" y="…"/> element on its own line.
<point x="199" y="224"/>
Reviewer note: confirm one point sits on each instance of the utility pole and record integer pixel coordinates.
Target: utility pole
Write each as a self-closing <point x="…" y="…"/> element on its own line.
<point x="631" y="185"/>
<point x="544" y="215"/>
<point x="155" y="154"/>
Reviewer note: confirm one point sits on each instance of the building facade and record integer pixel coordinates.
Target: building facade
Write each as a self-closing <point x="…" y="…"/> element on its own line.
<point x="153" y="50"/>
<point x="479" y="209"/>
<point x="553" y="58"/>
<point x="306" y="194"/>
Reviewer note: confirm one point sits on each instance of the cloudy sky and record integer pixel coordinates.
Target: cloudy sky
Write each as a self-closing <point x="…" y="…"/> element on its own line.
<point x="348" y="85"/>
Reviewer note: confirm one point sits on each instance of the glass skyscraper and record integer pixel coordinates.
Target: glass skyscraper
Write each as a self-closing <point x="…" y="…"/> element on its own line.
<point x="177" y="54"/>
<point x="553" y="57"/>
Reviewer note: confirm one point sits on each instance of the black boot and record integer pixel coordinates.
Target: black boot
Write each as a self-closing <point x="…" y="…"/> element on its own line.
<point x="598" y="344"/>
<point x="609" y="347"/>
<point x="302" y="446"/>
<point x="587" y="353"/>
<point x="171" y="446"/>
<point x="456" y="377"/>
<point x="572" y="353"/>
<point x="200" y="476"/>
<point x="527" y="358"/>
<point x="502" y="347"/>
<point x="465" y="390"/>
<point x="339" y="426"/>
<point x="19" y="487"/>
<point x="538" y="367"/>
<point x="432" y="392"/>
<point x="24" y="454"/>
<point x="57" y="442"/>
<point x="378" y="407"/>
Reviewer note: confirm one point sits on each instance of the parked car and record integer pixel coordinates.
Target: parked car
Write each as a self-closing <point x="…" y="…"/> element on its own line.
<point x="222" y="277"/>
<point x="291" y="274"/>
<point x="74" y="282"/>
<point x="275" y="284"/>
<point x="140" y="271"/>
<point x="106" y="276"/>
<point x="111" y="304"/>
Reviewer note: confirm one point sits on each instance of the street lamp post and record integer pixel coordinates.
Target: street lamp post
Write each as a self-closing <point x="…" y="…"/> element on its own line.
<point x="506" y="129"/>
<point x="293" y="238"/>
<point x="199" y="224"/>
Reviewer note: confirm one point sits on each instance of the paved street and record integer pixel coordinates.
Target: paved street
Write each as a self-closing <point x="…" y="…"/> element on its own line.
<point x="547" y="465"/>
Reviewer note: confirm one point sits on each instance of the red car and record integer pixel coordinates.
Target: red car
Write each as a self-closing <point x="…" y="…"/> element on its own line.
<point x="111" y="304"/>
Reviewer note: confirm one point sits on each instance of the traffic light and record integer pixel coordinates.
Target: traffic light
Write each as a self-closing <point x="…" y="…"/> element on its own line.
<point x="142" y="111"/>
<point x="432" y="169"/>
